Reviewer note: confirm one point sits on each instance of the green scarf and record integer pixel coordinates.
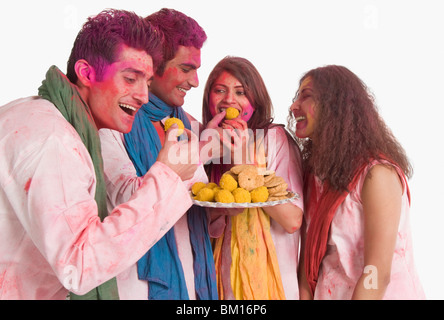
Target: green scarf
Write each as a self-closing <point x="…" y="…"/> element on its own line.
<point x="64" y="95"/>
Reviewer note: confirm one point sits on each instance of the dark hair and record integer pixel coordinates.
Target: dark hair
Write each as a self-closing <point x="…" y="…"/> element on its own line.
<point x="178" y="30"/>
<point x="255" y="90"/>
<point x="349" y="131"/>
<point x="100" y="38"/>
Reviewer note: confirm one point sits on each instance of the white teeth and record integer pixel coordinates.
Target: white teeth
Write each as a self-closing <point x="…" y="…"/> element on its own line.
<point x="182" y="89"/>
<point x="127" y="106"/>
<point x="301" y="118"/>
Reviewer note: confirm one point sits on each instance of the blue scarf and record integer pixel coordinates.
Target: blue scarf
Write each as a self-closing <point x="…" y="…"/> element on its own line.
<point x="161" y="265"/>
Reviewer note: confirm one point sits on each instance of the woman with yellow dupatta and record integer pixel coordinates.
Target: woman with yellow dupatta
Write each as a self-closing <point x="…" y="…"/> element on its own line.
<point x="255" y="249"/>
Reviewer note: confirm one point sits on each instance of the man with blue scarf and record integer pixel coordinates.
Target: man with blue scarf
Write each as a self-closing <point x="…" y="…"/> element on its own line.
<point x="180" y="265"/>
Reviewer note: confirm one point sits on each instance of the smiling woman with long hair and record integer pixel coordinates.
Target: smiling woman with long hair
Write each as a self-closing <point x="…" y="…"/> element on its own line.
<point x="271" y="233"/>
<point x="356" y="230"/>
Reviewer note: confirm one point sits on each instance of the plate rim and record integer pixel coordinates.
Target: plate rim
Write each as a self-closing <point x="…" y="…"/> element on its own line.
<point x="213" y="204"/>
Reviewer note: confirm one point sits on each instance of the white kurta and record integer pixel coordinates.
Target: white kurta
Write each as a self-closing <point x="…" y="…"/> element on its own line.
<point x="122" y="181"/>
<point x="343" y="262"/>
<point x="51" y="238"/>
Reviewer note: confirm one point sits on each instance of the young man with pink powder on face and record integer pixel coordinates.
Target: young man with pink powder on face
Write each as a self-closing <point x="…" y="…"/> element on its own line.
<point x="56" y="234"/>
<point x="179" y="266"/>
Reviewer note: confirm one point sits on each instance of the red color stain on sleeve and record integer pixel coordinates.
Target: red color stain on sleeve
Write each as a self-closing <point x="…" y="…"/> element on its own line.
<point x="27" y="185"/>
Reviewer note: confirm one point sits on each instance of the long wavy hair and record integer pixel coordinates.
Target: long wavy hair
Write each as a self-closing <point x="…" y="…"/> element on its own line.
<point x="349" y="131"/>
<point x="254" y="86"/>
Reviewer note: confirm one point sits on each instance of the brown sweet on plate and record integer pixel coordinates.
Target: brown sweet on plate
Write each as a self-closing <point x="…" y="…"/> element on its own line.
<point x="265" y="172"/>
<point x="279" y="194"/>
<point x="241" y="167"/>
<point x="276" y="198"/>
<point x="250" y="180"/>
<point x="277" y="189"/>
<point x="267" y="178"/>
<point x="274" y="181"/>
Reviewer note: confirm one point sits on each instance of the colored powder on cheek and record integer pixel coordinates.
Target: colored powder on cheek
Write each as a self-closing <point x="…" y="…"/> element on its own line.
<point x="247" y="113"/>
<point x="170" y="75"/>
<point x="311" y="114"/>
<point x="310" y="121"/>
<point x="213" y="109"/>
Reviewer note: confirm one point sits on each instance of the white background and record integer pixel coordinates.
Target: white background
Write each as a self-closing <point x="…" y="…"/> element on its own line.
<point x="395" y="47"/>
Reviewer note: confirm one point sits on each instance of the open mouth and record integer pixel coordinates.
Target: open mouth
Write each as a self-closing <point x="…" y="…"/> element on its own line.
<point x="300" y="118"/>
<point x="224" y="108"/>
<point x="182" y="90"/>
<point x="128" y="109"/>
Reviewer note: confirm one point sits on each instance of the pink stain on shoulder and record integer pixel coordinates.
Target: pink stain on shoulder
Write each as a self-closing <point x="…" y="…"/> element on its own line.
<point x="27" y="185"/>
<point x="78" y="152"/>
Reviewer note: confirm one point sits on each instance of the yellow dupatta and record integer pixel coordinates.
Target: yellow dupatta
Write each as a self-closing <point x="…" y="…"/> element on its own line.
<point x="254" y="271"/>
